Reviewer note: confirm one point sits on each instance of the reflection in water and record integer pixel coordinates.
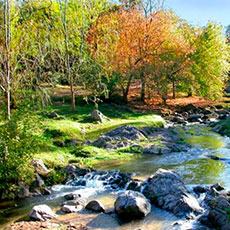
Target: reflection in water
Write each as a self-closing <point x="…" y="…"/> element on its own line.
<point x="194" y="166"/>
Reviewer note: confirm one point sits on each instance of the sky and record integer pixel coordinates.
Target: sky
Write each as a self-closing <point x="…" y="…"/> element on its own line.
<point x="199" y="12"/>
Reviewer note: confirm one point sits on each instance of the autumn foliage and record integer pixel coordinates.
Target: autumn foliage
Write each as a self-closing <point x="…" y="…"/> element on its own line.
<point x="160" y="50"/>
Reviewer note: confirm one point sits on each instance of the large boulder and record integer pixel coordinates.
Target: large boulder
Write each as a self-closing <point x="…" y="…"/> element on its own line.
<point x="126" y="132"/>
<point x="96" y="115"/>
<point x="132" y="205"/>
<point x="120" y="137"/>
<point x="218" y="215"/>
<point x="42" y="213"/>
<point x="166" y="190"/>
<point x="40" y="168"/>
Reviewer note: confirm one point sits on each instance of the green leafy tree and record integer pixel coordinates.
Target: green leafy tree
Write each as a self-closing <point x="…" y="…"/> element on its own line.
<point x="210" y="62"/>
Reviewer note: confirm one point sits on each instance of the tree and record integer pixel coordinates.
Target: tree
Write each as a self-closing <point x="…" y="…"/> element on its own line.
<point x="5" y="81"/>
<point x="228" y="34"/>
<point x="77" y="17"/>
<point x="63" y="10"/>
<point x="210" y="62"/>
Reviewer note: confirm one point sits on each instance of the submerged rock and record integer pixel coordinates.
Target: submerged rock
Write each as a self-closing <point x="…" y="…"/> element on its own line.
<point x="72" y="196"/>
<point x="112" y="179"/>
<point x="78" y="202"/>
<point x="132" y="205"/>
<point x="41" y="213"/>
<point x="95" y="206"/>
<point x="166" y="190"/>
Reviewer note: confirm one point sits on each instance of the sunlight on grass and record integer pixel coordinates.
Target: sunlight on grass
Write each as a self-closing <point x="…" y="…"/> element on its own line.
<point x="78" y="126"/>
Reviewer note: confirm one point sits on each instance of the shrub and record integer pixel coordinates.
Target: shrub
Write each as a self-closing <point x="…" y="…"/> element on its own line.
<point x="19" y="139"/>
<point x="55" y="177"/>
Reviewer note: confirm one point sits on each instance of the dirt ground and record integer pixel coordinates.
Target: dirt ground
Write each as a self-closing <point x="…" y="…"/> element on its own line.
<point x="64" y="222"/>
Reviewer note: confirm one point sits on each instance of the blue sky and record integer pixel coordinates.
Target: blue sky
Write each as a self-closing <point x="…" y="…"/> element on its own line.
<point x="199" y="12"/>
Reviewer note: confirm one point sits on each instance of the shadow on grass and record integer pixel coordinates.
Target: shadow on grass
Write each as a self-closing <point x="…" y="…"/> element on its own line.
<point x="82" y="113"/>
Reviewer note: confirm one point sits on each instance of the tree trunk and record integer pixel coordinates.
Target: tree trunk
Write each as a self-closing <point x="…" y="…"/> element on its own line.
<point x="164" y="98"/>
<point x="143" y="83"/>
<point x="125" y="96"/>
<point x="149" y="94"/>
<point x="126" y="90"/>
<point x="73" y="104"/>
<point x="7" y="46"/>
<point x="67" y="61"/>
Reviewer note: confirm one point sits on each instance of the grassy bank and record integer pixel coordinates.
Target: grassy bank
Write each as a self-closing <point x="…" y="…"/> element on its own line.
<point x="59" y="141"/>
<point x="78" y="127"/>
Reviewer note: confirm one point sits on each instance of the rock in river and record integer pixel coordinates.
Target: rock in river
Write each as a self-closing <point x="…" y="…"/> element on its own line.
<point x="166" y="190"/>
<point x="41" y="213"/>
<point x="218" y="215"/>
<point x="71" y="208"/>
<point x="95" y="206"/>
<point x="132" y="205"/>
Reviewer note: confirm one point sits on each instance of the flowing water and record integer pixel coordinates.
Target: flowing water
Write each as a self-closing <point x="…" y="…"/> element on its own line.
<point x="195" y="166"/>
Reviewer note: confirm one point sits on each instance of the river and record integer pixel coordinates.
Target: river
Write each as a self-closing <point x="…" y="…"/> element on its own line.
<point x="195" y="166"/>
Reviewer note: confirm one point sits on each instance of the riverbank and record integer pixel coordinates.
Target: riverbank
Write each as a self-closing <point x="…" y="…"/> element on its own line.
<point x="139" y="138"/>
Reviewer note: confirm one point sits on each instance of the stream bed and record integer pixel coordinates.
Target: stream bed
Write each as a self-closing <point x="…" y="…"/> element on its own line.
<point x="196" y="166"/>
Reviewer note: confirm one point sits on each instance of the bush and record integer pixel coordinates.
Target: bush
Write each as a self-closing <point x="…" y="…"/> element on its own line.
<point x="19" y="140"/>
<point x="55" y="177"/>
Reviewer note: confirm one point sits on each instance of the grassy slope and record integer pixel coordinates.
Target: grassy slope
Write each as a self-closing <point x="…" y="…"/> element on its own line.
<point x="77" y="126"/>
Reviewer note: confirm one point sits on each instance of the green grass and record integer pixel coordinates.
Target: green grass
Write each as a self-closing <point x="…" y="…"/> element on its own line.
<point x="92" y="155"/>
<point x="78" y="126"/>
<point x="76" y="123"/>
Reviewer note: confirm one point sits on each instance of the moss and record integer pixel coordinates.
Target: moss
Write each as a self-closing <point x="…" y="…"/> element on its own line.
<point x="130" y="149"/>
